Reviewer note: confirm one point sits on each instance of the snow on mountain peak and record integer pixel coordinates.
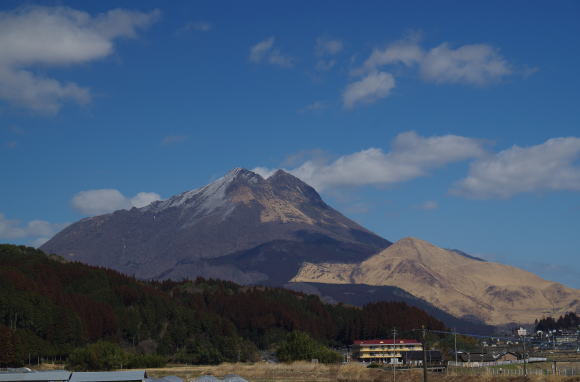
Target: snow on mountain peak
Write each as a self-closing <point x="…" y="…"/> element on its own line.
<point x="210" y="197"/>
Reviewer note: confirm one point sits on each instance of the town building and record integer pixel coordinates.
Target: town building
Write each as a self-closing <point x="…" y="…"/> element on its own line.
<point x="384" y="351"/>
<point x="507" y="357"/>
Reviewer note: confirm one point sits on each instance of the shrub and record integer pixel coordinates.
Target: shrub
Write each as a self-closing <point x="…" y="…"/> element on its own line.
<point x="300" y="346"/>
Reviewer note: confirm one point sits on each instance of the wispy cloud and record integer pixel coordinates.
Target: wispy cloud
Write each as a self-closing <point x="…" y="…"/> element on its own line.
<point x="173" y="139"/>
<point x="411" y="156"/>
<point x="198" y="26"/>
<point x="475" y="64"/>
<point x="325" y="48"/>
<point x="57" y="36"/>
<point x="265" y="52"/>
<point x="550" y="166"/>
<point x="428" y="205"/>
<point x="96" y="202"/>
<point x="372" y="87"/>
<point x="314" y="106"/>
<point x="478" y="64"/>
<point x="406" y="51"/>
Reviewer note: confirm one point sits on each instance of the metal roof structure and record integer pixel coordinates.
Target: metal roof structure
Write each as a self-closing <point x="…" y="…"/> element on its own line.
<point x="109" y="376"/>
<point x="206" y="378"/>
<point x="233" y="378"/>
<point x="41" y="376"/>
<point x="169" y="378"/>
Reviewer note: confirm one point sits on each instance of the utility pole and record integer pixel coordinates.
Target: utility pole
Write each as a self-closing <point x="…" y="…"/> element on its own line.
<point x="424" y="353"/>
<point x="522" y="332"/>
<point x="525" y="358"/>
<point x="455" y="343"/>
<point x="394" y="349"/>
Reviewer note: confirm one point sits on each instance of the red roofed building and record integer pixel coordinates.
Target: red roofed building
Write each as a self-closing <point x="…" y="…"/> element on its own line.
<point x="383" y="351"/>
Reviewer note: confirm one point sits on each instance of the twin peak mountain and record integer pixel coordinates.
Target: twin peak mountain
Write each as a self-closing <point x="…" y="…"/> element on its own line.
<point x="279" y="231"/>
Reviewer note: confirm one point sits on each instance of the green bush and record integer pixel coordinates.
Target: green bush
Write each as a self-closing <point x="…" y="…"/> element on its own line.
<point x="300" y="346"/>
<point x="98" y="356"/>
<point x="108" y="356"/>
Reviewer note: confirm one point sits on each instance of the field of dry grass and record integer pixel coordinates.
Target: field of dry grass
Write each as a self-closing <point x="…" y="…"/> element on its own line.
<point x="307" y="372"/>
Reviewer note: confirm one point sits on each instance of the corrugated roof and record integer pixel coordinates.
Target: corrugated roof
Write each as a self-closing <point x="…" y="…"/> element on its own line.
<point x="108" y="376"/>
<point x="56" y="375"/>
<point x="387" y="342"/>
<point x="169" y="378"/>
<point x="233" y="378"/>
<point x="206" y="378"/>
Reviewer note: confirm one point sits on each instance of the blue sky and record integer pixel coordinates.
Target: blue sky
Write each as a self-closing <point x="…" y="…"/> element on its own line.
<point x="456" y="122"/>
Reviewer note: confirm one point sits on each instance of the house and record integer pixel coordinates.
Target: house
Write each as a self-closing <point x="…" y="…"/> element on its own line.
<point x="415" y="358"/>
<point x="508" y="356"/>
<point x="476" y="357"/>
<point x="384" y="351"/>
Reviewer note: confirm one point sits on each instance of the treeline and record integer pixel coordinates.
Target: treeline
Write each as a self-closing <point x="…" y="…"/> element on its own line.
<point x="567" y="321"/>
<point x="52" y="309"/>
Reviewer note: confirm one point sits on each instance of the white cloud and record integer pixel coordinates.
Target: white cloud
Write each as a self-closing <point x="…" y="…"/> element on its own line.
<point x="550" y="166"/>
<point x="411" y="156"/>
<point x="143" y="199"/>
<point x="478" y="64"/>
<point x="33" y="36"/>
<point x="406" y="51"/>
<point x="96" y="202"/>
<point x="261" y="49"/>
<point x="374" y="86"/>
<point x="265" y="52"/>
<point x="35" y="231"/>
<point x="264" y="172"/>
<point x="428" y="205"/>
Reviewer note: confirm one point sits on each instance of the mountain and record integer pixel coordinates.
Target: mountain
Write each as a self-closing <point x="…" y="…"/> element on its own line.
<point x="241" y="227"/>
<point x="463" y="286"/>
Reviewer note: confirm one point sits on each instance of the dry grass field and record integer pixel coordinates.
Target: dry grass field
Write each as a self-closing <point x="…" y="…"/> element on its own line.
<point x="308" y="372"/>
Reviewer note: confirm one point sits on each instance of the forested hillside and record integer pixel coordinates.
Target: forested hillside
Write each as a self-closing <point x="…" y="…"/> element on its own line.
<point x="50" y="307"/>
<point x="568" y="321"/>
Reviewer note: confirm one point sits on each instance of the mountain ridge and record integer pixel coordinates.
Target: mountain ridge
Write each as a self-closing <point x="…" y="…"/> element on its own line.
<point x="465" y="287"/>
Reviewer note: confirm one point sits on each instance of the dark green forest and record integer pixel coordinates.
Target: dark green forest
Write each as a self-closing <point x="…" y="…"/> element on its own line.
<point x="56" y="310"/>
<point x="568" y="321"/>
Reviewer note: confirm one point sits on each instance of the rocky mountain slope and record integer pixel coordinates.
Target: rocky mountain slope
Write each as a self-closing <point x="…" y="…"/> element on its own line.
<point x="462" y="286"/>
<point x="241" y="227"/>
